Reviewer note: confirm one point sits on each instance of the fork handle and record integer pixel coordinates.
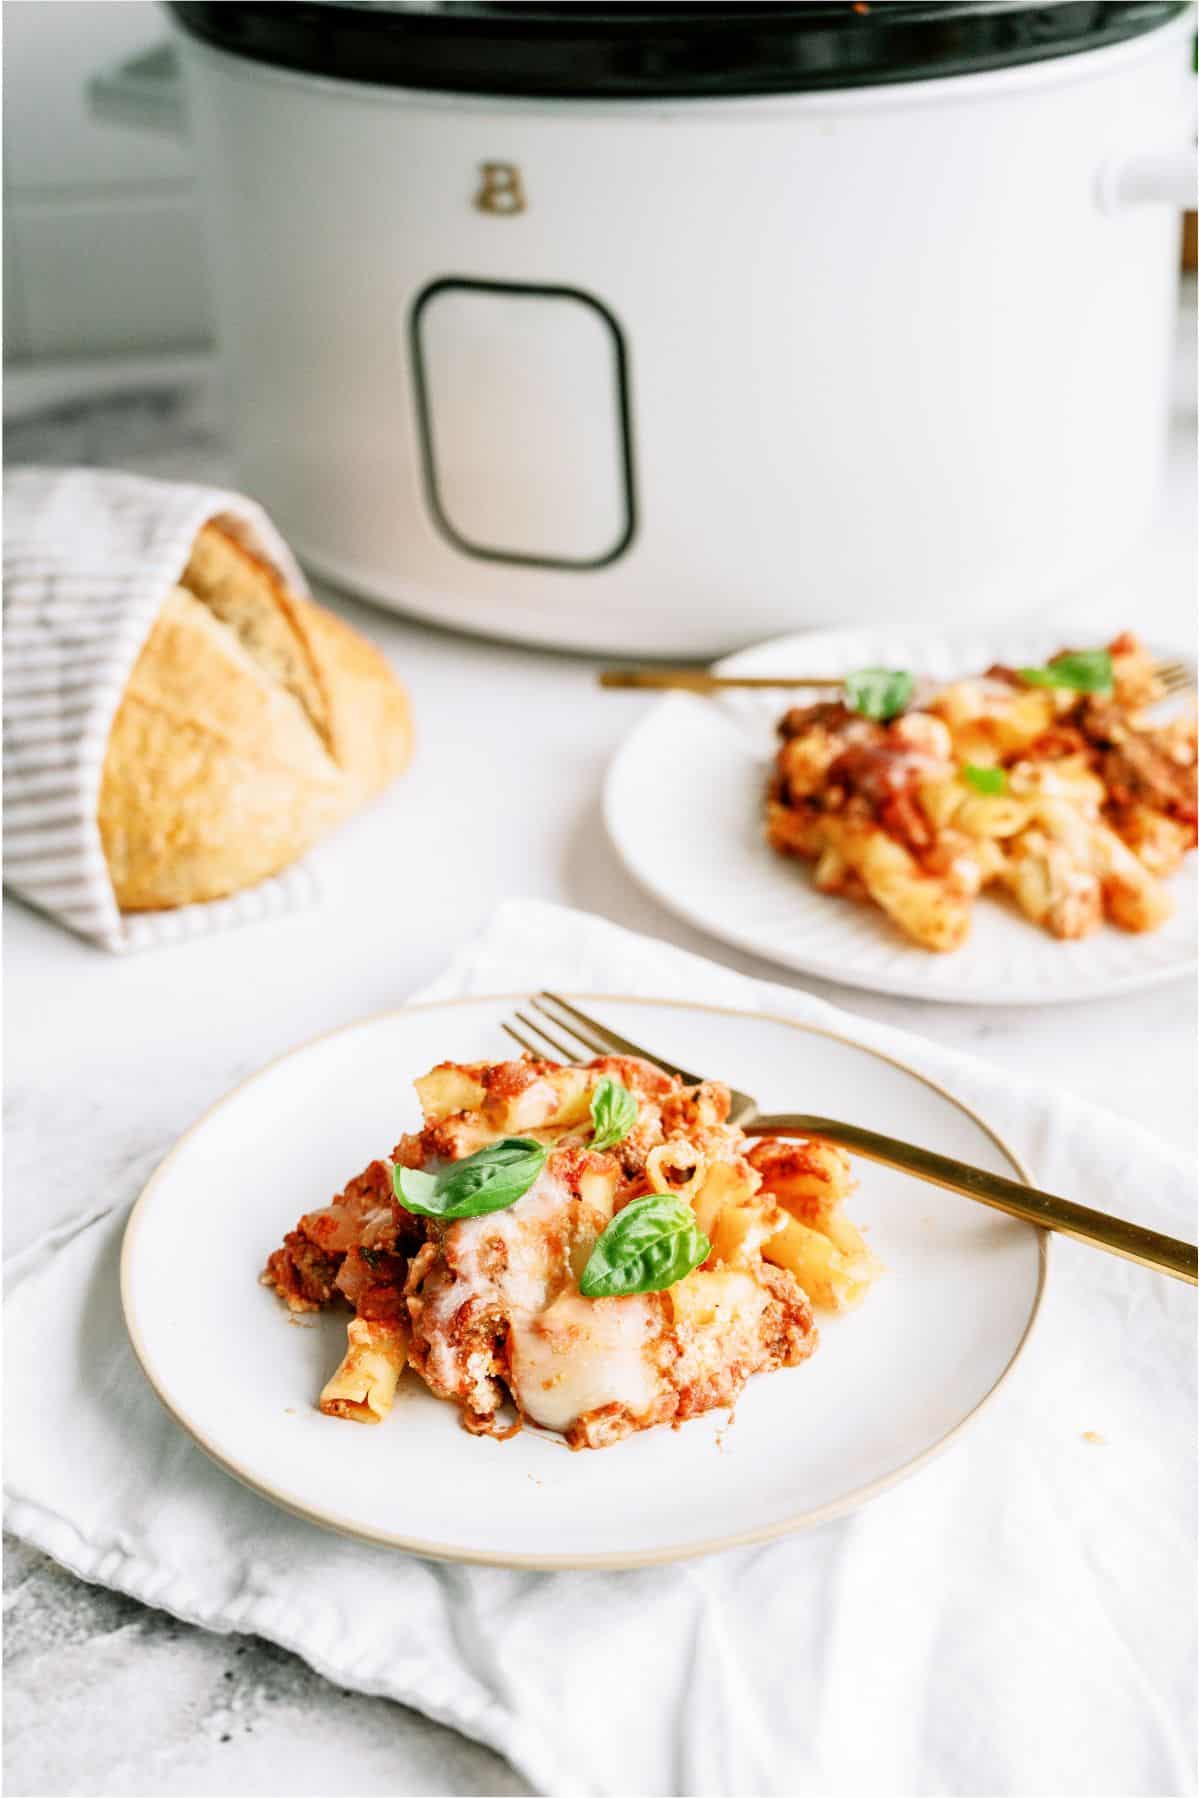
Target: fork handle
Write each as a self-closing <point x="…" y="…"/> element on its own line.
<point x="1149" y="1248"/>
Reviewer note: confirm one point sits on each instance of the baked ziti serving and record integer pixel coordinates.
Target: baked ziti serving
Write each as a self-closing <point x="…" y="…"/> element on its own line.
<point x="1051" y="784"/>
<point x="593" y="1249"/>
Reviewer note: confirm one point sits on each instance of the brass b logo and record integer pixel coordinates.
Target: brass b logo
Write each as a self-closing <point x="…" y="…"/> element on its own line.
<point x="500" y="189"/>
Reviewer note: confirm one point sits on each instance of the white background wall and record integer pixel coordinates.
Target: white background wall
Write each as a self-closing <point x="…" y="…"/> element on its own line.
<point x="102" y="244"/>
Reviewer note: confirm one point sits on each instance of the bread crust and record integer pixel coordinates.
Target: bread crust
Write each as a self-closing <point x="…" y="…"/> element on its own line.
<point x="253" y="723"/>
<point x="242" y="589"/>
<point x="369" y="721"/>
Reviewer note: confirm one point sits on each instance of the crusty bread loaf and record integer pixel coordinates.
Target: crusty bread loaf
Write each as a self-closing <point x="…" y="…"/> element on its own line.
<point x="253" y="722"/>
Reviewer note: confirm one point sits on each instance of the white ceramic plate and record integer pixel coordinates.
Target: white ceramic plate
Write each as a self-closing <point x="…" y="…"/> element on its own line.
<point x="684" y="805"/>
<point x="887" y="1387"/>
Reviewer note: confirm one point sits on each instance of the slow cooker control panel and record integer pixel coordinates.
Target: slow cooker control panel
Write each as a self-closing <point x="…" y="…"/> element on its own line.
<point x="523" y="413"/>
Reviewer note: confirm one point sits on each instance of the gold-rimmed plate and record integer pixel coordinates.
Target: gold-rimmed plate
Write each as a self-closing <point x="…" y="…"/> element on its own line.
<point x="888" y="1387"/>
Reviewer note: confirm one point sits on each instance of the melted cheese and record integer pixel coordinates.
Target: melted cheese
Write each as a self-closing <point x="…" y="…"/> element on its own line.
<point x="568" y="1354"/>
<point x="515" y="1243"/>
<point x="579" y="1354"/>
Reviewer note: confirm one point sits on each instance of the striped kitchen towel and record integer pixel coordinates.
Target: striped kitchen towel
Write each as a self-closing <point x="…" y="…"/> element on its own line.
<point x="89" y="558"/>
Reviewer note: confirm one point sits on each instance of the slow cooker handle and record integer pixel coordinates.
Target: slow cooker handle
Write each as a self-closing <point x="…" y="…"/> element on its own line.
<point x="144" y="91"/>
<point x="1155" y="178"/>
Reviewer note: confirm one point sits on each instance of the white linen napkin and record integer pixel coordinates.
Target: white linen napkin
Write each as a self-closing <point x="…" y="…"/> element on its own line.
<point x="1015" y="1618"/>
<point x="89" y="558"/>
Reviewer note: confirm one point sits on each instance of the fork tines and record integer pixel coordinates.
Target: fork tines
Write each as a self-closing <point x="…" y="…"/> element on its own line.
<point x="577" y="1036"/>
<point x="1175" y="677"/>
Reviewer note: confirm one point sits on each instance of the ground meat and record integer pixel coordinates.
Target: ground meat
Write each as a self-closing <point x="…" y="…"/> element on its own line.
<point x="828" y="715"/>
<point x="372" y="1280"/>
<point x="305" y="1270"/>
<point x="791" y="1333"/>
<point x="882" y="780"/>
<point x="696" y="1108"/>
<point x="1061" y="740"/>
<point x="302" y="1273"/>
<point x="1137" y="766"/>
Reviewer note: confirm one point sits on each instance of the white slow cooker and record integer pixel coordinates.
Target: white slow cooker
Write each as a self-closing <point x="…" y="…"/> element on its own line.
<point x="657" y="329"/>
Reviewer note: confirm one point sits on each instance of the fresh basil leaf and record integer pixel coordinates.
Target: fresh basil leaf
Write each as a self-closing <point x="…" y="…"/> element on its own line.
<point x="985" y="780"/>
<point x="1083" y="670"/>
<point x="490" y="1180"/>
<point x="647" y="1247"/>
<point x="878" y="693"/>
<point x="414" y="1188"/>
<point x="614" y="1113"/>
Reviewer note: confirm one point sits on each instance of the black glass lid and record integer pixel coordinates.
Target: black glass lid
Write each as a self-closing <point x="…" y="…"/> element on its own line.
<point x="648" y="52"/>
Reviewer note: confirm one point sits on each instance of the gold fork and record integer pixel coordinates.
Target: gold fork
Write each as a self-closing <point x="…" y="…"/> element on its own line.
<point x="1175" y="677"/>
<point x="571" y="1034"/>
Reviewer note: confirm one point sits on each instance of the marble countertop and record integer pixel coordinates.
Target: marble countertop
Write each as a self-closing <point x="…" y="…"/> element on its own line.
<point x="103" y="1695"/>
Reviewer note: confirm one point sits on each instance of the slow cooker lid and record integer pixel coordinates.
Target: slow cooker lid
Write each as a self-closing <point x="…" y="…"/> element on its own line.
<point x="649" y="52"/>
